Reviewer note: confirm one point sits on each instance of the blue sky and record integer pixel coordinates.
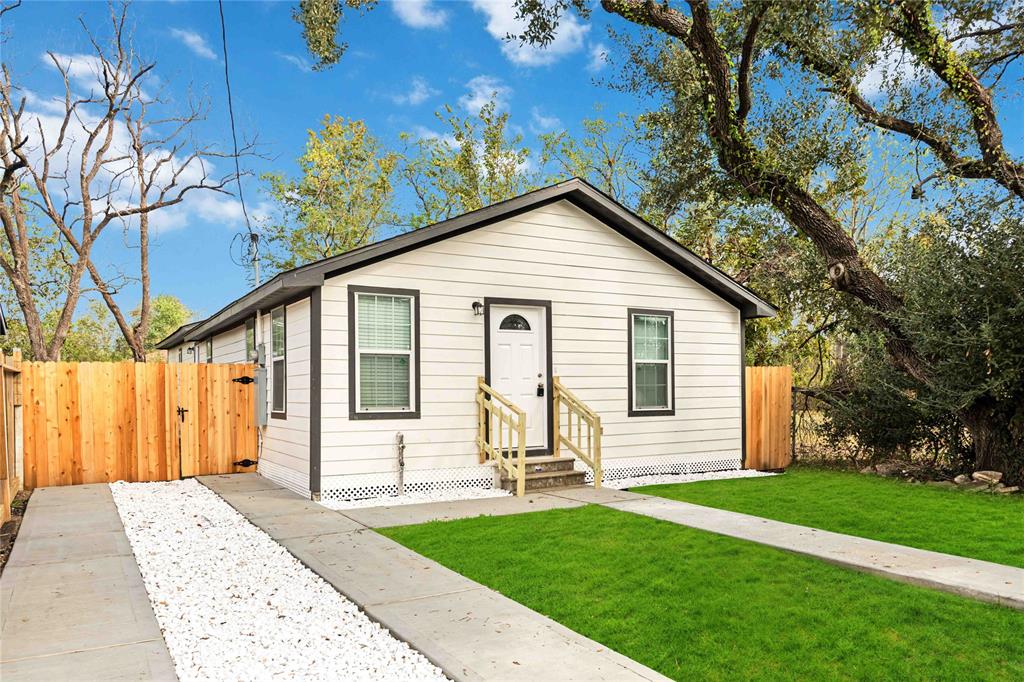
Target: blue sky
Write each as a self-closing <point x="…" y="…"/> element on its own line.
<point x="403" y="62"/>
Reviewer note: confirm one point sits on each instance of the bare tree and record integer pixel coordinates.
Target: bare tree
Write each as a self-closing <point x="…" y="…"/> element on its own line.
<point x="106" y="157"/>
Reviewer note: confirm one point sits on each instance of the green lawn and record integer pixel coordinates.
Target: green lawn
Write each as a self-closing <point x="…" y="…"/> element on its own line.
<point x="692" y="604"/>
<point x="976" y="525"/>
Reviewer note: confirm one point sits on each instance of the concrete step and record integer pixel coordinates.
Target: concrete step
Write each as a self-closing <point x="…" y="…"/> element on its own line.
<point x="546" y="480"/>
<point x="536" y="465"/>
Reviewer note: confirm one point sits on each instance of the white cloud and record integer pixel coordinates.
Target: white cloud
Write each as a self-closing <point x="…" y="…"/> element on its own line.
<point x="481" y="90"/>
<point x="539" y="123"/>
<point x="419" y="13"/>
<point x="194" y="42"/>
<point x="419" y="92"/>
<point x="888" y="66"/>
<point x="598" y="57"/>
<point x="298" y="62"/>
<point x="502" y="22"/>
<point x="421" y="132"/>
<point x="199" y="205"/>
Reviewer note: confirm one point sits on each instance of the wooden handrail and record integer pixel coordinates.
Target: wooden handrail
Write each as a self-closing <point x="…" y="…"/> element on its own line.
<point x="494" y="408"/>
<point x="590" y="451"/>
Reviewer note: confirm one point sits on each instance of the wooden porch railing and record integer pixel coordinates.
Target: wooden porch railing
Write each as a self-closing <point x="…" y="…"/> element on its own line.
<point x="501" y="429"/>
<point x="587" y="445"/>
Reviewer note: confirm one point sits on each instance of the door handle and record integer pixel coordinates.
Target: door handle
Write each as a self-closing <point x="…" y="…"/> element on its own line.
<point x="540" y="390"/>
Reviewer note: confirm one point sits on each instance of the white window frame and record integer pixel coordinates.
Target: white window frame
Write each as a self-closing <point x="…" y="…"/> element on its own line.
<point x="412" y="410"/>
<point x="669" y="409"/>
<point x="275" y="411"/>
<point x="208" y="350"/>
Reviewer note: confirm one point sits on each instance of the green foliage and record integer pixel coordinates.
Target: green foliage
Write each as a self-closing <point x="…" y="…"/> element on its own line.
<point x="341" y="200"/>
<point x="94" y="336"/>
<point x="699" y="606"/>
<point x="476" y="163"/>
<point x="321" y="22"/>
<point x="982" y="527"/>
<point x="609" y="154"/>
<point x="167" y="313"/>
<point x="90" y="339"/>
<point x="960" y="273"/>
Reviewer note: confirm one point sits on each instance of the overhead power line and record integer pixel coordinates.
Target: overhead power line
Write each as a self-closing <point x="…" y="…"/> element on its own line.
<point x="254" y="238"/>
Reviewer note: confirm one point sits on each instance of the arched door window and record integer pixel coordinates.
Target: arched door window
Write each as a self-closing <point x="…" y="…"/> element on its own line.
<point x="515" y="322"/>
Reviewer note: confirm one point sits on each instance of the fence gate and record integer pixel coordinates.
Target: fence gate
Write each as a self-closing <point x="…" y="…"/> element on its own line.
<point x="95" y="422"/>
<point x="769" y="413"/>
<point x="215" y="419"/>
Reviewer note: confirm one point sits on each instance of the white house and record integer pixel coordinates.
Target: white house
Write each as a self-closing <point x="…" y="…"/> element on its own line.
<point x="562" y="282"/>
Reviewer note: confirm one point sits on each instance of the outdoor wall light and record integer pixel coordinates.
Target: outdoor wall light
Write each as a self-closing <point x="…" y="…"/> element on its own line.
<point x="478" y="308"/>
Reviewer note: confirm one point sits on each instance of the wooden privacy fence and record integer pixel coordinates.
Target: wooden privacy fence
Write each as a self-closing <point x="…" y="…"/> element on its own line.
<point x="769" y="416"/>
<point x="10" y="387"/>
<point x="95" y="422"/>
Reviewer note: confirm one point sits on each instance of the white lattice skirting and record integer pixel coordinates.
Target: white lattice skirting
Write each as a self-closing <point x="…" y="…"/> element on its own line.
<point x="296" y="481"/>
<point x="363" y="486"/>
<point x="633" y="467"/>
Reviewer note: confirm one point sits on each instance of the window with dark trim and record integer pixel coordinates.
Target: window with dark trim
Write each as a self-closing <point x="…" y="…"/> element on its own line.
<point x="181" y="354"/>
<point x="651" y="364"/>
<point x="208" y="345"/>
<point x="384" y="344"/>
<point x="278" y="363"/>
<point x="250" y="340"/>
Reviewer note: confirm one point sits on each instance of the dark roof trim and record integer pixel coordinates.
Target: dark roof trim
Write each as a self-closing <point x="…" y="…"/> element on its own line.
<point x="582" y="194"/>
<point x="177" y="336"/>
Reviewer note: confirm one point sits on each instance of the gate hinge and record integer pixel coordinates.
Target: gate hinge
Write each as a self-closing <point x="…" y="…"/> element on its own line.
<point x="243" y="380"/>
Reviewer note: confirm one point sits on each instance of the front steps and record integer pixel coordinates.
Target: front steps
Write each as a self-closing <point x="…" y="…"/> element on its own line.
<point x="545" y="473"/>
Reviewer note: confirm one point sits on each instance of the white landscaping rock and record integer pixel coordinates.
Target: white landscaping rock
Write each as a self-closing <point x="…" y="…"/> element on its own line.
<point x="417" y="498"/>
<point x="235" y="605"/>
<point x="659" y="479"/>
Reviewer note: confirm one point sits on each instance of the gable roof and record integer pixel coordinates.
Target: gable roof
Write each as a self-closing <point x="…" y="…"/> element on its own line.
<point x="294" y="283"/>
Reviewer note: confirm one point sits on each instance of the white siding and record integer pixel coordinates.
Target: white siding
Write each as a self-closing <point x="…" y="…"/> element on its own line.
<point x="186" y="353"/>
<point x="591" y="275"/>
<point x="285" y="454"/>
<point x="229" y="346"/>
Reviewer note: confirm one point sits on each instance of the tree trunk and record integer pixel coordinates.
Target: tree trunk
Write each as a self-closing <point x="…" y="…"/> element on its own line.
<point x="997" y="437"/>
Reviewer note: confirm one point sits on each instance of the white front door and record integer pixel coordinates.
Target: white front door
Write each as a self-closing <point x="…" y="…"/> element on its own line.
<point x="519" y="364"/>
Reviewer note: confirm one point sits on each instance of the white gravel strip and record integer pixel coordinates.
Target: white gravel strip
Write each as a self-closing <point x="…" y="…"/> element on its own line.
<point x="417" y="498"/>
<point x="625" y="483"/>
<point x="235" y="605"/>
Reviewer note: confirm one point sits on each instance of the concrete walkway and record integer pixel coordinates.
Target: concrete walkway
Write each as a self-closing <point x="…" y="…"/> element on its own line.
<point x="968" y="577"/>
<point x="469" y="630"/>
<point x="72" y="601"/>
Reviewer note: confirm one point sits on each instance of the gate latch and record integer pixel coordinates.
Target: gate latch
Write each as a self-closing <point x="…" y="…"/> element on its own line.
<point x="181" y="413"/>
<point x="243" y="380"/>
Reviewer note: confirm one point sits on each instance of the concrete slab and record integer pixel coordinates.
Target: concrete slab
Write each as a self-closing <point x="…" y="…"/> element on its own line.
<point x="372" y="569"/>
<point x="59" y="519"/>
<point x="308" y="523"/>
<point x="238" y="483"/>
<point x="495" y="638"/>
<point x="468" y="630"/>
<point x="412" y="514"/>
<point x="140" y="661"/>
<point x="265" y="503"/>
<point x="79" y="546"/>
<point x="590" y="495"/>
<point x="70" y="494"/>
<point x="72" y="603"/>
<point x="968" y="577"/>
